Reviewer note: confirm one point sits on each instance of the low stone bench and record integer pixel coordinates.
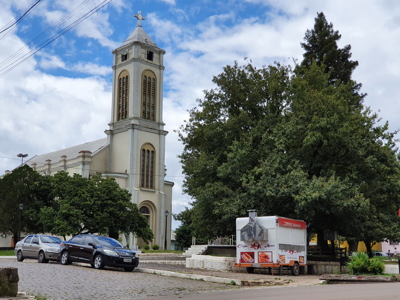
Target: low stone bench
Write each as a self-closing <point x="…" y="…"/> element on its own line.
<point x="8" y="282"/>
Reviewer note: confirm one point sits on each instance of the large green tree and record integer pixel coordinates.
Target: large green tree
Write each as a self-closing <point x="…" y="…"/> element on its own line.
<point x="16" y="188"/>
<point x="321" y="46"/>
<point x="288" y="144"/>
<point x="183" y="234"/>
<point x="92" y="205"/>
<point x="246" y="104"/>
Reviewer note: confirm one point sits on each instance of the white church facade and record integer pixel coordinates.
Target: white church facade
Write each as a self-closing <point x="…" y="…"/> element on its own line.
<point x="133" y="151"/>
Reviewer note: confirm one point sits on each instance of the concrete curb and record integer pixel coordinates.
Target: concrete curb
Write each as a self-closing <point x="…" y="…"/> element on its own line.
<point x="163" y="262"/>
<point x="354" y="278"/>
<point x="191" y="276"/>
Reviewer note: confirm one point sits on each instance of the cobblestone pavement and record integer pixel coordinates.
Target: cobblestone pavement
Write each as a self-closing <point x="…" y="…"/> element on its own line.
<point x="73" y="282"/>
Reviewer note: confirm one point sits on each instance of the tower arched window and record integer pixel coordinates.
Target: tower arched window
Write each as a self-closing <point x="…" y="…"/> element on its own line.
<point x="147" y="164"/>
<point x="145" y="210"/>
<point x="123" y="95"/>
<point x="148" y="95"/>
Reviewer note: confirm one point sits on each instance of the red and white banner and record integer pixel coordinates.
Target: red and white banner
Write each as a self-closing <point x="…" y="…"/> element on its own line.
<point x="292" y="223"/>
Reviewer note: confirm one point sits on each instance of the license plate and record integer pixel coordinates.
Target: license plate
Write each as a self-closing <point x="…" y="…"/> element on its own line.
<point x="128" y="260"/>
<point x="256" y="265"/>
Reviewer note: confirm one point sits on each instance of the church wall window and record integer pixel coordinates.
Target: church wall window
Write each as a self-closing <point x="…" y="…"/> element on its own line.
<point x="147" y="167"/>
<point x="149" y="96"/>
<point x="123" y="96"/>
<point x="150" y="55"/>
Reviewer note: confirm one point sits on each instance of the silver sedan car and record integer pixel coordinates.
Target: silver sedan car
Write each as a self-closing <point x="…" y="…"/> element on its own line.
<point x="39" y="246"/>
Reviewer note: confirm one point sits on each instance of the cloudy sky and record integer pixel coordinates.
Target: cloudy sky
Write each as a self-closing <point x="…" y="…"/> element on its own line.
<point x="61" y="96"/>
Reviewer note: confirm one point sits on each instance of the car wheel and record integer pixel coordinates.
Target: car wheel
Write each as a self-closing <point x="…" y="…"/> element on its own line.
<point x="98" y="262"/>
<point x="42" y="258"/>
<point x="20" y="257"/>
<point x="129" y="269"/>
<point x="65" y="258"/>
<point x="295" y="269"/>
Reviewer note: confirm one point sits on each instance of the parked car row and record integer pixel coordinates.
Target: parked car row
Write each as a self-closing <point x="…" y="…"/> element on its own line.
<point x="98" y="251"/>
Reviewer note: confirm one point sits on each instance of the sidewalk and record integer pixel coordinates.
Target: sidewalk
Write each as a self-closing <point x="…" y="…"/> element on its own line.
<point x="175" y="266"/>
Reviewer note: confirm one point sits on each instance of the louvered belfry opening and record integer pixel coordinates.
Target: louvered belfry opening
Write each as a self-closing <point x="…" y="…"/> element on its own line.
<point x="148" y="96"/>
<point x="123" y="96"/>
<point x="147" y="167"/>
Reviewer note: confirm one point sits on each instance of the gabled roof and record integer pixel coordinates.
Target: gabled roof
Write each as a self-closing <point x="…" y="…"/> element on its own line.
<point x="139" y="35"/>
<point x="71" y="152"/>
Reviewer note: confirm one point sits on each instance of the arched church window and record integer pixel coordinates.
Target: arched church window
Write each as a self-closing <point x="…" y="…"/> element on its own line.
<point x="144" y="210"/>
<point x="147" y="167"/>
<point x="123" y="96"/>
<point x="148" y="95"/>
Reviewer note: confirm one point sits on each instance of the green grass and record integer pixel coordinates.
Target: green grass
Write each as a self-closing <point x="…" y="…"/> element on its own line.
<point x="7" y="253"/>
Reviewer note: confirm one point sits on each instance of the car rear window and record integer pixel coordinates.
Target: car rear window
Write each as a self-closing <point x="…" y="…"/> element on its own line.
<point x="50" y="239"/>
<point x="78" y="239"/>
<point x="106" y="241"/>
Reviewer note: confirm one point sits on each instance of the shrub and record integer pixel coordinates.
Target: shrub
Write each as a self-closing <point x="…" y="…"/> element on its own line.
<point x="360" y="263"/>
<point x="376" y="266"/>
<point x="147" y="247"/>
<point x="155" y="247"/>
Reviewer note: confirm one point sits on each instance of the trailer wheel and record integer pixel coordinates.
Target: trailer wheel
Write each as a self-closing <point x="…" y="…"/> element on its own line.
<point x="295" y="269"/>
<point x="250" y="269"/>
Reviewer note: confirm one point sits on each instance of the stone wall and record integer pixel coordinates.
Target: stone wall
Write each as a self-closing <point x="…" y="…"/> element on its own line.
<point x="207" y="262"/>
<point x="325" y="267"/>
<point x="9" y="282"/>
<point x="226" y="264"/>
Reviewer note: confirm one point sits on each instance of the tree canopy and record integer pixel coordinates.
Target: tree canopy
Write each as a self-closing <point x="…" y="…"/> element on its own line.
<point x="288" y="143"/>
<point x="18" y="188"/>
<point x="321" y="46"/>
<point x="67" y="205"/>
<point x="92" y="205"/>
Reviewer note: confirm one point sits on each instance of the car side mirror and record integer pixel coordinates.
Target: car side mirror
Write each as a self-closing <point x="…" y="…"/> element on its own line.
<point x="91" y="244"/>
<point x="37" y="243"/>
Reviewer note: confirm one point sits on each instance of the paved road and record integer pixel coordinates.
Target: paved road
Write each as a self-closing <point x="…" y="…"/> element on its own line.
<point x="72" y="282"/>
<point x="364" y="291"/>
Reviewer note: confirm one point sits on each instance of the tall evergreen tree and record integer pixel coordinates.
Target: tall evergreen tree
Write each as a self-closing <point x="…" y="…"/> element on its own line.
<point x="321" y="45"/>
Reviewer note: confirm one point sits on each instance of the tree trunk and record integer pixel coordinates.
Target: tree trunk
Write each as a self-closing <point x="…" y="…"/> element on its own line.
<point x="368" y="245"/>
<point x="322" y="244"/>
<point x="353" y="245"/>
<point x="15" y="238"/>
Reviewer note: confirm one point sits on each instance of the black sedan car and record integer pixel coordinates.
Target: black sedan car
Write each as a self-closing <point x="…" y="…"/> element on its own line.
<point x="99" y="251"/>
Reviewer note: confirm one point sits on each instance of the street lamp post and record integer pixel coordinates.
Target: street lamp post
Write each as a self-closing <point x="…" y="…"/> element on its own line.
<point x="22" y="157"/>
<point x="21" y="208"/>
<point x="166" y="225"/>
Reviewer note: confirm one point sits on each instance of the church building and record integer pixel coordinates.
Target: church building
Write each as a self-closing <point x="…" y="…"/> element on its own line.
<point x="133" y="151"/>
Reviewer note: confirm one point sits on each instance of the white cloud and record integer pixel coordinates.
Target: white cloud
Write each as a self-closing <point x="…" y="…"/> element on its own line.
<point x="172" y="2"/>
<point x="39" y="111"/>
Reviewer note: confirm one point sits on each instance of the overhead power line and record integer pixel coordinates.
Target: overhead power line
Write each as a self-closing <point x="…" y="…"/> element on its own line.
<point x="18" y="18"/>
<point x="18" y="57"/>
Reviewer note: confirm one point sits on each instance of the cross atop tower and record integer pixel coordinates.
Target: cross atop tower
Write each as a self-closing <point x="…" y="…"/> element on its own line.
<point x="139" y="17"/>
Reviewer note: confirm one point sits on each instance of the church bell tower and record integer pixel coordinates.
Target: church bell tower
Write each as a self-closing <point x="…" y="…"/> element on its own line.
<point x="136" y="134"/>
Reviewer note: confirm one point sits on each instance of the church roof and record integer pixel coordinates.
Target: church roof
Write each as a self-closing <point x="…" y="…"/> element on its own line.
<point x="71" y="152"/>
<point x="139" y="35"/>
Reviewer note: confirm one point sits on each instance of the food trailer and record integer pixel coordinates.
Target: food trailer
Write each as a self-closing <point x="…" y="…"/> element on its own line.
<point x="271" y="242"/>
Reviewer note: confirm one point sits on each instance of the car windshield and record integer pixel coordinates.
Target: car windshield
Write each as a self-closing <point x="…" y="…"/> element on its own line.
<point x="50" y="239"/>
<point x="106" y="241"/>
